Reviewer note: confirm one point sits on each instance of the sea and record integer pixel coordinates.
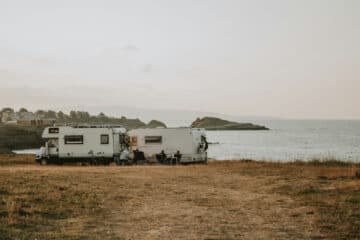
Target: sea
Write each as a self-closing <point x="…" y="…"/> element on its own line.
<point x="290" y="140"/>
<point x="287" y="140"/>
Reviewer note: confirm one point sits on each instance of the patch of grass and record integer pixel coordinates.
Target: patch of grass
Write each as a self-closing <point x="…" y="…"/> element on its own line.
<point x="52" y="202"/>
<point x="33" y="207"/>
<point x="336" y="201"/>
<point x="354" y="198"/>
<point x="331" y="162"/>
<point x="310" y="190"/>
<point x="14" y="159"/>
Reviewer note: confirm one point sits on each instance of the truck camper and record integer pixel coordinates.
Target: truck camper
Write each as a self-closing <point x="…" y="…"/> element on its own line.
<point x="93" y="144"/>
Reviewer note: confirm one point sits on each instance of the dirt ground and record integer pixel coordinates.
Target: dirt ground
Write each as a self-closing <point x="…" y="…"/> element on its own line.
<point x="220" y="200"/>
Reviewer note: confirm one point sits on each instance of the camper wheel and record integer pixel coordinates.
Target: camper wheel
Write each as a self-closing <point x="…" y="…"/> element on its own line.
<point x="120" y="162"/>
<point x="106" y="162"/>
<point x="117" y="161"/>
<point x="43" y="161"/>
<point x="85" y="163"/>
<point x="93" y="161"/>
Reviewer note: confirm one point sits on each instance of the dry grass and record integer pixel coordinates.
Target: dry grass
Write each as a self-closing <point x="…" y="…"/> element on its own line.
<point x="13" y="159"/>
<point x="221" y="200"/>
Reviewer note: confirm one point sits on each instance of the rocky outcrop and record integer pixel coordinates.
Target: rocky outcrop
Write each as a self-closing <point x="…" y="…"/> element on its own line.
<point x="212" y="123"/>
<point x="156" y="124"/>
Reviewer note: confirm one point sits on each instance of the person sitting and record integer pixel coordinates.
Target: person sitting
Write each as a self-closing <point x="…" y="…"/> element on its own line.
<point x="161" y="157"/>
<point x="138" y="156"/>
<point x="177" y="157"/>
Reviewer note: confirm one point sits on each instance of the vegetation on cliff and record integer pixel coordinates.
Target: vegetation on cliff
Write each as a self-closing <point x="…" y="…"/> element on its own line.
<point x="15" y="136"/>
<point x="76" y="117"/>
<point x="19" y="137"/>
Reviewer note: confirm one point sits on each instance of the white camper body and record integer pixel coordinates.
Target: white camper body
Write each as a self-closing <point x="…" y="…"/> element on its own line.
<point x="101" y="144"/>
<point x="86" y="141"/>
<point x="190" y="142"/>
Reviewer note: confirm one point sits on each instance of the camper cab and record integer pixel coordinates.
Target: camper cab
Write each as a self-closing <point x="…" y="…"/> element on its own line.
<point x="96" y="143"/>
<point x="190" y="142"/>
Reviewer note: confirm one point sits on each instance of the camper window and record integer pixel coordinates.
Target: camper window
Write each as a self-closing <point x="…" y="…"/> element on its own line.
<point x="153" y="139"/>
<point x="53" y="130"/>
<point x="104" y="139"/>
<point x="74" y="139"/>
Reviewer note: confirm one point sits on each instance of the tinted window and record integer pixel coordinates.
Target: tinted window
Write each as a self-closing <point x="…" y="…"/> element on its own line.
<point x="74" y="139"/>
<point x="53" y="130"/>
<point x="104" y="139"/>
<point x="153" y="139"/>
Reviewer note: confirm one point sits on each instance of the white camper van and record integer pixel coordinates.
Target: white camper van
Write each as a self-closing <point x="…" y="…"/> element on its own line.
<point x="190" y="143"/>
<point x="102" y="144"/>
<point x="96" y="144"/>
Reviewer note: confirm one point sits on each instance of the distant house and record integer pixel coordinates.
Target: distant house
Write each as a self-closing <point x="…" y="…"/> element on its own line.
<point x="47" y="121"/>
<point x="6" y="116"/>
<point x="11" y="122"/>
<point x="26" y="119"/>
<point x="36" y="122"/>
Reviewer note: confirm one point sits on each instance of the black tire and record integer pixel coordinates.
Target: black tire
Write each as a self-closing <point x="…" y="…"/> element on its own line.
<point x="120" y="162"/>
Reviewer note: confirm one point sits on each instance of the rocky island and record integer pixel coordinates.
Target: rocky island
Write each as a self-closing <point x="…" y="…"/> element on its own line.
<point x="156" y="124"/>
<point x="212" y="123"/>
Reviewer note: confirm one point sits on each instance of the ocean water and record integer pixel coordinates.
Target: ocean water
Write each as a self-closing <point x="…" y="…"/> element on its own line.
<point x="33" y="151"/>
<point x="289" y="140"/>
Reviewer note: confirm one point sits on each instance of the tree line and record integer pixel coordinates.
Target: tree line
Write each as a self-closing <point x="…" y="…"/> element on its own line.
<point x="82" y="117"/>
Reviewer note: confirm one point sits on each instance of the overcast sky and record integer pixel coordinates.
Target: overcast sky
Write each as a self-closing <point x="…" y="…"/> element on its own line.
<point x="281" y="58"/>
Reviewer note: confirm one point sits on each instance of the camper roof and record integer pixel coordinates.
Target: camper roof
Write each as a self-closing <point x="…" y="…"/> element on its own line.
<point x="75" y="125"/>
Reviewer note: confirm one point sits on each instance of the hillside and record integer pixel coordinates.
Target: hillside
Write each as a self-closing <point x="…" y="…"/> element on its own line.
<point x="212" y="123"/>
<point x="13" y="137"/>
<point x="19" y="137"/>
<point x="31" y="118"/>
<point x="102" y="119"/>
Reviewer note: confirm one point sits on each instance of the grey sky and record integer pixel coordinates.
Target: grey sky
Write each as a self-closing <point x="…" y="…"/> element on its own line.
<point x="283" y="58"/>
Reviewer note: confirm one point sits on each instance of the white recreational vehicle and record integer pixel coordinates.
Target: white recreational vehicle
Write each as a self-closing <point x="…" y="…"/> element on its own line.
<point x="190" y="143"/>
<point x="89" y="143"/>
<point x="102" y="144"/>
